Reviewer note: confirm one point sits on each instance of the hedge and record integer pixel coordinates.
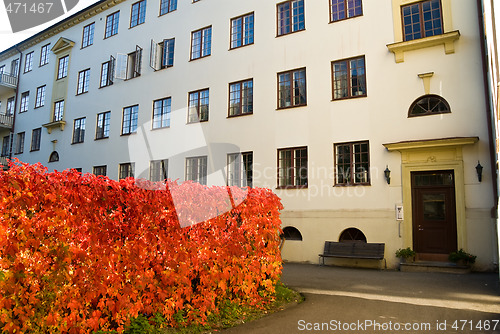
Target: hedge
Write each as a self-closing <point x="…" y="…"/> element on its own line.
<point x="81" y="253"/>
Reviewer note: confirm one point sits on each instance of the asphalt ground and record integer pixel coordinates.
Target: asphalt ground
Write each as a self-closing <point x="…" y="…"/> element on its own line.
<point x="346" y="300"/>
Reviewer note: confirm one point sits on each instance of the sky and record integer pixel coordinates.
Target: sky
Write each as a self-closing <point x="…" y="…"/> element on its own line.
<point x="8" y="38"/>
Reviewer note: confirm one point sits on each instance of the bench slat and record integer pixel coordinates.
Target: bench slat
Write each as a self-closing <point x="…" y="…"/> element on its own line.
<point x="354" y="250"/>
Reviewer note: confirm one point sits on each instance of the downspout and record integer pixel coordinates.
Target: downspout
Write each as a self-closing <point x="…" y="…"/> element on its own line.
<point x="15" y="99"/>
<point x="489" y="114"/>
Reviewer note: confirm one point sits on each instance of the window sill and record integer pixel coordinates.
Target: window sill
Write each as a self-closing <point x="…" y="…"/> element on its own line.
<point x="101" y="138"/>
<point x="54" y="125"/>
<point x="446" y="39"/>
<point x="349" y="97"/>
<point x="352" y="185"/>
<point x="291" y="107"/>
<point x="240" y="115"/>
<point x="291" y="187"/>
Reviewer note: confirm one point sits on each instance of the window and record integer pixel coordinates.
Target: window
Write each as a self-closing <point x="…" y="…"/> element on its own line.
<point x="429" y="105"/>
<point x="102" y="126"/>
<point x="5" y="146"/>
<point x="54" y="156"/>
<point x="292" y="167"/>
<point x="58" y="111"/>
<point x="242" y="30"/>
<point x="88" y="35"/>
<point x="40" y="97"/>
<point x="352" y="235"/>
<point x="240" y="169"/>
<point x="78" y="131"/>
<point x="167" y="6"/>
<point x="349" y="78"/>
<point x="352" y="164"/>
<point x="138" y="15"/>
<point x="99" y="170"/>
<point x="28" y="62"/>
<point x="196" y="169"/>
<point x="162" y="54"/>
<point x="44" y="55"/>
<point x="126" y="170"/>
<point x="112" y="24"/>
<point x="14" y="67"/>
<point x="130" y="116"/>
<point x="290" y="17"/>
<point x="292" y="88"/>
<point x="161" y="113"/>
<point x="107" y="71"/>
<point x="83" y="81"/>
<point x="62" y="71"/>
<point x="25" y="100"/>
<point x="422" y="19"/>
<point x="344" y="9"/>
<point x="291" y="233"/>
<point x="10" y="106"/>
<point x="36" y="136"/>
<point x="129" y="66"/>
<point x="201" y="43"/>
<point x="2" y="69"/>
<point x="158" y="170"/>
<point x="241" y="98"/>
<point x="20" y="143"/>
<point x="198" y="106"/>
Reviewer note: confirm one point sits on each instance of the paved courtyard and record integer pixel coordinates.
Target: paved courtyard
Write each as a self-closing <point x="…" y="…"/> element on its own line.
<point x="345" y="300"/>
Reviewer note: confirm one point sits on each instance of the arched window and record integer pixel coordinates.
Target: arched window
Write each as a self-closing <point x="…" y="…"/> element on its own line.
<point x="291" y="233"/>
<point x="54" y="156"/>
<point x="429" y="105"/>
<point x="352" y="235"/>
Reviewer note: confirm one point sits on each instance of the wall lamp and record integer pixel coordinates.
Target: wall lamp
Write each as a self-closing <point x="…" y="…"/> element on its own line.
<point x="479" y="171"/>
<point x="387" y="174"/>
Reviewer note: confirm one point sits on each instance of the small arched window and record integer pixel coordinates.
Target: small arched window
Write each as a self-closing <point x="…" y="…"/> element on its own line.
<point x="429" y="105"/>
<point x="54" y="156"/>
<point x="352" y="235"/>
<point x="291" y="233"/>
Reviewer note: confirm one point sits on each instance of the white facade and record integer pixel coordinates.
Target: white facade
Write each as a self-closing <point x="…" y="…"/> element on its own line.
<point x="322" y="209"/>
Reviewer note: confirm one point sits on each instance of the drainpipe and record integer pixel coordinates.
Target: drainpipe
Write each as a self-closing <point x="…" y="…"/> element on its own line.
<point x="489" y="117"/>
<point x="15" y="99"/>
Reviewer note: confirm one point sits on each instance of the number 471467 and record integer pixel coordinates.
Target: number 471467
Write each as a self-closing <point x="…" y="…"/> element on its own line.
<point x="24" y="8"/>
<point x="482" y="325"/>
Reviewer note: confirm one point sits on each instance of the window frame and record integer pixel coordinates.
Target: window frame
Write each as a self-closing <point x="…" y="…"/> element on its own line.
<point x="36" y="138"/>
<point x="103" y="124"/>
<point x="421" y="17"/>
<point x="293" y="176"/>
<point x="28" y="62"/>
<point x="140" y="17"/>
<point x="62" y="67"/>
<point x="289" y="17"/>
<point x="346" y="2"/>
<point x="348" y="78"/>
<point x="40" y="96"/>
<point x="291" y="74"/>
<point x="58" y="113"/>
<point x="20" y="139"/>
<point x="168" y="4"/>
<point x="5" y="146"/>
<point x="24" y="103"/>
<point x="131" y="128"/>
<point x="162" y="116"/>
<point x="352" y="164"/>
<point x="203" y="43"/>
<point x="88" y="35"/>
<point x="198" y="105"/>
<point x="95" y="170"/>
<point x="44" y="55"/>
<point x="9" y="110"/>
<point x="127" y="168"/>
<point x="83" y="83"/>
<point x="243" y="31"/>
<point x="201" y="169"/>
<point x="240" y="99"/>
<point x="429" y="113"/>
<point x="111" y="29"/>
<point x="108" y="77"/>
<point x="78" y="131"/>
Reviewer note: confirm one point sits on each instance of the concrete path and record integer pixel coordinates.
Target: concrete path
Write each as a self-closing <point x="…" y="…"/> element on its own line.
<point x="345" y="300"/>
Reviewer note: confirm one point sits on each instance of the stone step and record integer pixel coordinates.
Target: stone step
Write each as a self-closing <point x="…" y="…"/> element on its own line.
<point x="434" y="267"/>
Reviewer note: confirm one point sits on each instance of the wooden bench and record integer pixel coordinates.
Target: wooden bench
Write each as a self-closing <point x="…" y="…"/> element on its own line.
<point x="353" y="250"/>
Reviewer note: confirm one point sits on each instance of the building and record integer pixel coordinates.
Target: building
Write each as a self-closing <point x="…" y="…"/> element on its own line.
<point x="368" y="118"/>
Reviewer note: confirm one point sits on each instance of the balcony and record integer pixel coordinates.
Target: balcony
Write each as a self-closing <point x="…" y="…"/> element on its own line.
<point x="6" y="121"/>
<point x="8" y="83"/>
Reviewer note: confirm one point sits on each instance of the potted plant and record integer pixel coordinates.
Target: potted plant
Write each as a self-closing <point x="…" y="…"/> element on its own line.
<point x="462" y="258"/>
<point x="406" y="254"/>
